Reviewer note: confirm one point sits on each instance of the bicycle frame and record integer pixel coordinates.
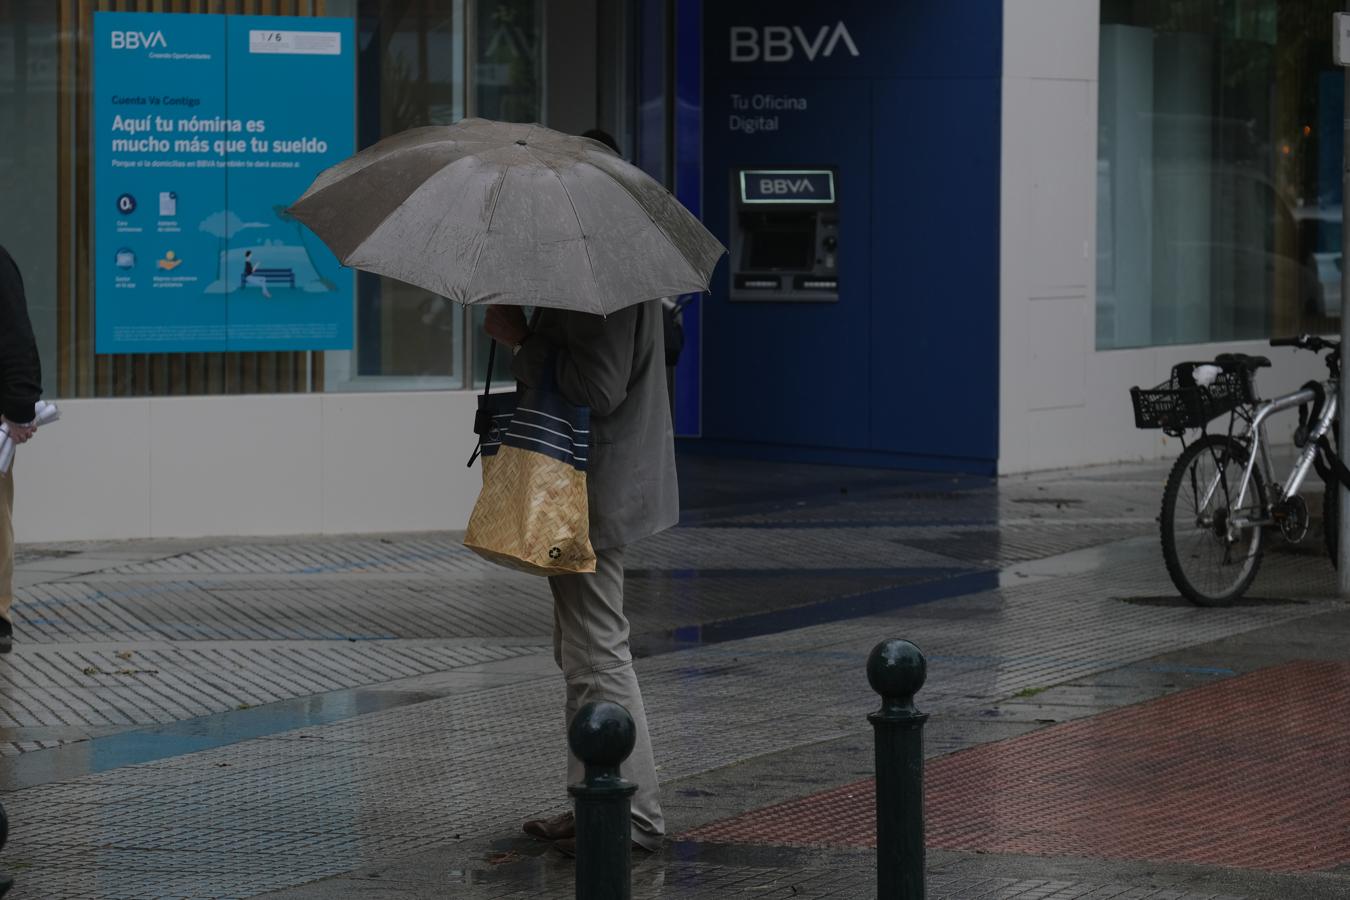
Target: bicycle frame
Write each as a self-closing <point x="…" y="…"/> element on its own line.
<point x="1256" y="434"/>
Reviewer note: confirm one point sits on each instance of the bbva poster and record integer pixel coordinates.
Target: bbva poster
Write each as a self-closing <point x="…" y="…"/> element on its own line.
<point x="206" y="127"/>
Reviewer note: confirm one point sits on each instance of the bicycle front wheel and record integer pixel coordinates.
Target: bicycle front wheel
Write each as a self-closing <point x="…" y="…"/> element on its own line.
<point x="1210" y="562"/>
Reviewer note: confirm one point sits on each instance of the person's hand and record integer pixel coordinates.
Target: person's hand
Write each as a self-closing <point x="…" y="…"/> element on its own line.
<point x="506" y="325"/>
<point x="20" y="433"/>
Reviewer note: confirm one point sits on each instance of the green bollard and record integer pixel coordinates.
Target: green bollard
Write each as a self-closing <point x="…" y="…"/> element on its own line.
<point x="896" y="670"/>
<point x="601" y="736"/>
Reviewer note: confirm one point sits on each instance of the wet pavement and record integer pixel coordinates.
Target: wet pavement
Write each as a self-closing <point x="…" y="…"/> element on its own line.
<point x="373" y="716"/>
<point x="1135" y="783"/>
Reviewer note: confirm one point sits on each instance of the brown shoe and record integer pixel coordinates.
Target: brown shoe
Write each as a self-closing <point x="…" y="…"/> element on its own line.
<point x="556" y="828"/>
<point x="568" y="847"/>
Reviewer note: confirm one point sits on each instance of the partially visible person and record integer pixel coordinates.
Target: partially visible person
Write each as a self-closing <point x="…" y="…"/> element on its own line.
<point x="672" y="319"/>
<point x="20" y="390"/>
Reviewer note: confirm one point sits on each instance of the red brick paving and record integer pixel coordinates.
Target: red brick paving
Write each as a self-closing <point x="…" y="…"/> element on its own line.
<point x="1251" y="772"/>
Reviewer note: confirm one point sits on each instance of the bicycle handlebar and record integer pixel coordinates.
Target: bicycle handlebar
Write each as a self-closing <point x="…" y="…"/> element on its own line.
<point x="1306" y="342"/>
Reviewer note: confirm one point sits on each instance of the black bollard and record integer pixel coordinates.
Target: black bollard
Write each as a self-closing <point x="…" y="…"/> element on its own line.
<point x="6" y="880"/>
<point x="601" y="736"/>
<point x="896" y="670"/>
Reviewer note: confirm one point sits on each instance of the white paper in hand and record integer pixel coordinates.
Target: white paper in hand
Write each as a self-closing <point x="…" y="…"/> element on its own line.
<point x="46" y="413"/>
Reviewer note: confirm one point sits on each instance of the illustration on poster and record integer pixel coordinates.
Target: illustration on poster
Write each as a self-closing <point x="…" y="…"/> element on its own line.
<point x="274" y="263"/>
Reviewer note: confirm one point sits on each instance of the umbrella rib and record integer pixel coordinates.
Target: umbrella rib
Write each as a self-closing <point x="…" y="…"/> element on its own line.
<point x="393" y="212"/>
<point x="374" y="161"/>
<point x="590" y="265"/>
<point x="492" y="214"/>
<point x="657" y="225"/>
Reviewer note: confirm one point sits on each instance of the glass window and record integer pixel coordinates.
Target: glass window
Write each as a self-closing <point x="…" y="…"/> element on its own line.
<point x="28" y="162"/>
<point x="430" y="62"/>
<point x="508" y="88"/>
<point x="1218" y="171"/>
<point x="410" y="72"/>
<point x="46" y="178"/>
<point x="507" y="84"/>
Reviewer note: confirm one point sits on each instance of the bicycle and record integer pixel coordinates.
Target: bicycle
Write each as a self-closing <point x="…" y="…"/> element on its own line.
<point x="1217" y="506"/>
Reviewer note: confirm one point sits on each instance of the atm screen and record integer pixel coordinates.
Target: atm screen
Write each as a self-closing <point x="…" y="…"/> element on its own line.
<point x="794" y="249"/>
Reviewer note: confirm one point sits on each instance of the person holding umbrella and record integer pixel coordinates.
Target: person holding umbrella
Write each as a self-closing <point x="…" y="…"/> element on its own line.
<point x="616" y="366"/>
<point x="512" y="216"/>
<point x="20" y="390"/>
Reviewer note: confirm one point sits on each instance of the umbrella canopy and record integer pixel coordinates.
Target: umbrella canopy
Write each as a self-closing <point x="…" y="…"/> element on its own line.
<point x="492" y="212"/>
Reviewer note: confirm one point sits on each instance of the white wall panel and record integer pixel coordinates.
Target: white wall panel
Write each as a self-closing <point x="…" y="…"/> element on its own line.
<point x="1053" y="367"/>
<point x="1060" y="225"/>
<point x="235" y="465"/>
<point x="1048" y="266"/>
<point x="260" y="465"/>
<point x="87" y="476"/>
<point x="397" y="462"/>
<point x="1044" y="39"/>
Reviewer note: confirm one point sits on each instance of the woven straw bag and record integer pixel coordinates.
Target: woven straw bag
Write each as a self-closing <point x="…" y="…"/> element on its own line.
<point x="532" y="514"/>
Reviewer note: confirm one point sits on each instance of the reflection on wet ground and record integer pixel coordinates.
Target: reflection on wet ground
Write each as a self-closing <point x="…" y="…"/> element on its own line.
<point x="926" y="586"/>
<point x="129" y="748"/>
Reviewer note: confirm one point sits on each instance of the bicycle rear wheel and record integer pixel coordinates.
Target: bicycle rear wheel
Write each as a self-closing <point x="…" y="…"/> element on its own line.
<point x="1208" y="565"/>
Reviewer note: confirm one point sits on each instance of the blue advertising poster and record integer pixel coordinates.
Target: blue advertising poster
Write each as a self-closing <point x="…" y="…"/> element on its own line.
<point x="206" y="127"/>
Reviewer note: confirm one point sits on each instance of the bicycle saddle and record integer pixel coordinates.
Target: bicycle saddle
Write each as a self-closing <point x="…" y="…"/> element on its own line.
<point x="1250" y="363"/>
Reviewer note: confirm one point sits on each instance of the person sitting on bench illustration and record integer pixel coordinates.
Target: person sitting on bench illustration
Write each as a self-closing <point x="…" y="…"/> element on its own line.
<point x="254" y="280"/>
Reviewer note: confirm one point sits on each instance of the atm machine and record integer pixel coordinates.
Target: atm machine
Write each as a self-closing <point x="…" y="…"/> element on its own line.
<point x="784" y="235"/>
<point x="794" y="118"/>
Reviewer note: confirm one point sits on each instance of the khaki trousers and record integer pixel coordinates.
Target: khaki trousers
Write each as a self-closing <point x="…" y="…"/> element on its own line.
<point x="6" y="544"/>
<point x="590" y="646"/>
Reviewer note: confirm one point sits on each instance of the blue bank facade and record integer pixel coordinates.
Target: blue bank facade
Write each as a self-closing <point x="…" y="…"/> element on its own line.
<point x="848" y="156"/>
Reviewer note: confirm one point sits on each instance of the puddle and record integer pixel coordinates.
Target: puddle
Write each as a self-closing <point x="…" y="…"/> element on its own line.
<point x="143" y="745"/>
<point x="943" y="585"/>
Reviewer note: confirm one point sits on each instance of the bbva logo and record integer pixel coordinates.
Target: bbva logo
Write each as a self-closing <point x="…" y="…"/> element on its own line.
<point x="132" y="40"/>
<point x="779" y="43"/>
<point x="785" y="186"/>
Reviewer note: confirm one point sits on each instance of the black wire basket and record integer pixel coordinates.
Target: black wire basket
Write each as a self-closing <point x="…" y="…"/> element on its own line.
<point x="1179" y="403"/>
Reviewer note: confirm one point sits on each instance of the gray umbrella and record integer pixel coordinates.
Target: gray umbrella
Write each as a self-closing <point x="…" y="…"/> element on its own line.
<point x="491" y="212"/>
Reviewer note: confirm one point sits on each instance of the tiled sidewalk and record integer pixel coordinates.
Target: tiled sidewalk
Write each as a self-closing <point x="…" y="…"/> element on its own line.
<point x="1042" y="587"/>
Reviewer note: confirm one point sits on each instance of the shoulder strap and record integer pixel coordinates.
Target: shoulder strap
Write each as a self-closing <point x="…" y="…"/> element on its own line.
<point x="492" y="358"/>
<point x="492" y="349"/>
<point x="482" y="419"/>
